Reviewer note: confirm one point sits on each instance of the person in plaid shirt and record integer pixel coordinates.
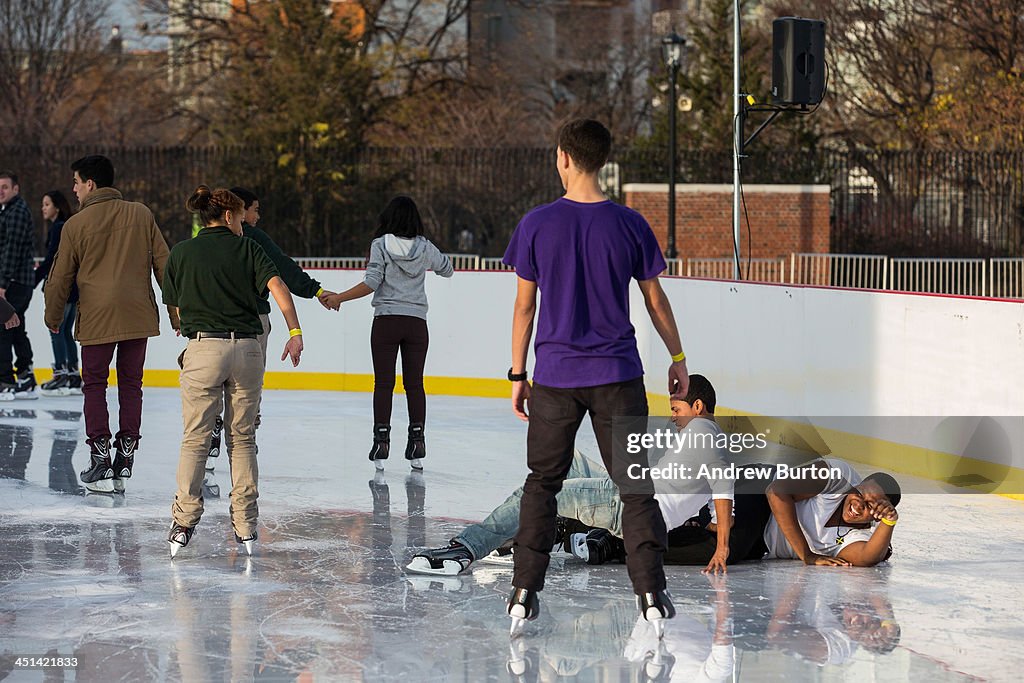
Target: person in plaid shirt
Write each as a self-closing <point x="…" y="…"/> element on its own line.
<point x="17" y="279"/>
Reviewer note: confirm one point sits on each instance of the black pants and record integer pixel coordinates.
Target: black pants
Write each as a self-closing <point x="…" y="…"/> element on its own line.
<point x="14" y="342"/>
<point x="694" y="545"/>
<point x="389" y="335"/>
<point x="555" y="417"/>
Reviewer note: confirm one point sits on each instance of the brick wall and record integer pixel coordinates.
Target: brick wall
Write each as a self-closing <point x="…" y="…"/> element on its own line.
<point x="783" y="218"/>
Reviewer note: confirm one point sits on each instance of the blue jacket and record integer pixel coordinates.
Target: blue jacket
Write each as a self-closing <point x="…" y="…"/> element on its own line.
<point x="52" y="244"/>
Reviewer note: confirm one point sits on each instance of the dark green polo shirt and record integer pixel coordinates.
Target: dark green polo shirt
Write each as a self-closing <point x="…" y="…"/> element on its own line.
<point x="217" y="280"/>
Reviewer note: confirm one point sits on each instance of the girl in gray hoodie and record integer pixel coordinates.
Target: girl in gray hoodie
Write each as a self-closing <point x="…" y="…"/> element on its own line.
<point x="400" y="256"/>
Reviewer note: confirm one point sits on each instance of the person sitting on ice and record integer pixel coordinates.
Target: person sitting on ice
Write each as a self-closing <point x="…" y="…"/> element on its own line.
<point x="590" y="511"/>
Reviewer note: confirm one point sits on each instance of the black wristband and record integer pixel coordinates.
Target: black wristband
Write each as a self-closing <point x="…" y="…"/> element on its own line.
<point x="521" y="377"/>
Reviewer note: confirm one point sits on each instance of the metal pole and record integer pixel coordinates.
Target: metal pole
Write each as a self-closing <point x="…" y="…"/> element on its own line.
<point x="673" y="72"/>
<point x="737" y="124"/>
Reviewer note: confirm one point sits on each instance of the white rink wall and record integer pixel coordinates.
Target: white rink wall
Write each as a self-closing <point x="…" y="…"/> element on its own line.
<point x="769" y="349"/>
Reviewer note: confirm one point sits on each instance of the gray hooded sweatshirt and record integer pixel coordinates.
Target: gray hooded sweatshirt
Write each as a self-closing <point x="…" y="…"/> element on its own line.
<point x="395" y="273"/>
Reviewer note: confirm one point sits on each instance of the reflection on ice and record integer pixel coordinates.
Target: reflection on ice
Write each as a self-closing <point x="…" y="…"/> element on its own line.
<point x="326" y="596"/>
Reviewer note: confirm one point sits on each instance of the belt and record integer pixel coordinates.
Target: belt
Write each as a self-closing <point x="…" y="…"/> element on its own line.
<point x="222" y="335"/>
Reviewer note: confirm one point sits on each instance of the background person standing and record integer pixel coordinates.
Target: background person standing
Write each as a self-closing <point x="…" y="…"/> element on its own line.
<point x="16" y="283"/>
<point x="66" y="380"/>
<point x="112" y="248"/>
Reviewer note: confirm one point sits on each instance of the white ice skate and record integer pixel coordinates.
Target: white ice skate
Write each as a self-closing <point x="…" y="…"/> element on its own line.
<point x="248" y="542"/>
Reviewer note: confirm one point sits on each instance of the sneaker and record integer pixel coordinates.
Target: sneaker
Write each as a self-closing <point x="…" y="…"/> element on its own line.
<point x="99" y="476"/>
<point x="124" y="459"/>
<point x="179" y="537"/>
<point x="453" y="559"/>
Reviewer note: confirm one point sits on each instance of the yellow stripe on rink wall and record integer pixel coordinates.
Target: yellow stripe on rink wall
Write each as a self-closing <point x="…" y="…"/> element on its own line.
<point x="949" y="468"/>
<point x="336" y="381"/>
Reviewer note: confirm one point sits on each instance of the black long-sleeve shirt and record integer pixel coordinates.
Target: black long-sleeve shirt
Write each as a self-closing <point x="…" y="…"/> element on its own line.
<point x="52" y="244"/>
<point x="16" y="244"/>
<point x="298" y="281"/>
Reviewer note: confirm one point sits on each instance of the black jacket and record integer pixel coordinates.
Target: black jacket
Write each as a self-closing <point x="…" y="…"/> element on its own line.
<point x="52" y="244"/>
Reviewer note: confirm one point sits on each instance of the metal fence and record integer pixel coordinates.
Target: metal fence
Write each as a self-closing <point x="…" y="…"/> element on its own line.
<point x="326" y="200"/>
<point x="998" y="277"/>
<point x="858" y="271"/>
<point x="752" y="270"/>
<point x="1006" y="278"/>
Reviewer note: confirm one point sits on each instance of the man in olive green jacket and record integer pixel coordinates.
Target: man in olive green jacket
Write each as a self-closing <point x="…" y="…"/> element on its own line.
<point x="112" y="248"/>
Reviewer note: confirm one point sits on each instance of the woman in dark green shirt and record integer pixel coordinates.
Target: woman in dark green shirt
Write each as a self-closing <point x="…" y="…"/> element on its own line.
<point x="216" y="282"/>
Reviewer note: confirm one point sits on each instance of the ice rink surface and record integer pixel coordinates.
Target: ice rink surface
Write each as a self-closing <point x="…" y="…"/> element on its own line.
<point x="326" y="597"/>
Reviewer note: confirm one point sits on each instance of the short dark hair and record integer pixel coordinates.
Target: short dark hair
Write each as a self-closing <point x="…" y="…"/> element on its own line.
<point x="888" y="484"/>
<point x="700" y="388"/>
<point x="587" y="142"/>
<point x="9" y="174"/>
<point x="400" y="218"/>
<point x="211" y="204"/>
<point x="247" y="196"/>
<point x="61" y="202"/>
<point x="96" y="168"/>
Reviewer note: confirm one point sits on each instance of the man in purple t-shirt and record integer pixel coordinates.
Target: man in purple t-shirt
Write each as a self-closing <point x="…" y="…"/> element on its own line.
<point x="582" y="251"/>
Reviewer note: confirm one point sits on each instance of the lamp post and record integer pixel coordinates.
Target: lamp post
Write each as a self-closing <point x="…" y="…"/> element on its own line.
<point x="672" y="50"/>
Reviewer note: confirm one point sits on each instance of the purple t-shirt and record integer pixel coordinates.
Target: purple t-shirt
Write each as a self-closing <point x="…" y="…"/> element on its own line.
<point x="582" y="257"/>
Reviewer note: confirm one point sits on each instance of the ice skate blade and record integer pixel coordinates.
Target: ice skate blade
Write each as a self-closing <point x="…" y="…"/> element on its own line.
<point x="421" y="565"/>
<point x="118" y="485"/>
<point x="657" y="623"/>
<point x="416" y="464"/>
<point x="175" y="547"/>
<point x="250" y="547"/>
<point x="100" y="485"/>
<point x="517" y="627"/>
<point x="379" y="464"/>
<point x="55" y="393"/>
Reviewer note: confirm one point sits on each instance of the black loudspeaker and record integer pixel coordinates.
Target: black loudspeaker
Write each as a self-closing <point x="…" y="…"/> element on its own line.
<point x="798" y="60"/>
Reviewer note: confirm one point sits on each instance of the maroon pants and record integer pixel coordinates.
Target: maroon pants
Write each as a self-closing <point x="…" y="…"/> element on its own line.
<point x="131" y="357"/>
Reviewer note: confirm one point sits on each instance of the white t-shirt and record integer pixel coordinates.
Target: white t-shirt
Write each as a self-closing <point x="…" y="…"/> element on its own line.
<point x="681" y="500"/>
<point x="813" y="513"/>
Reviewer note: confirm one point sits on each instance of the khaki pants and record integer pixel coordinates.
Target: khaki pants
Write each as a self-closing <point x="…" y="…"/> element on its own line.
<point x="216" y="375"/>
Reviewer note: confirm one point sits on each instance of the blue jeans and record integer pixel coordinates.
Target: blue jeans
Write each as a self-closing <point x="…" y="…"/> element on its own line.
<point x="588" y="495"/>
<point x="65" y="351"/>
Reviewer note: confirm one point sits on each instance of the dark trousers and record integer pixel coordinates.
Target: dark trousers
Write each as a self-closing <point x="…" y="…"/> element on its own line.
<point x="14" y="343"/>
<point x="389" y="335"/>
<point x="131" y="357"/>
<point x="65" y="350"/>
<point x="555" y="417"/>
<point x="695" y="545"/>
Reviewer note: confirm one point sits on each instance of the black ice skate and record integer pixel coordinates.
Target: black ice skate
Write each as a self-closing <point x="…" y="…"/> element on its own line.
<point x="58" y="386"/>
<point x="25" y="385"/>
<point x="416" y="447"/>
<point x="179" y="537"/>
<point x="215" y="438"/>
<point x="124" y="459"/>
<point x="249" y="542"/>
<point x="598" y="546"/>
<point x="74" y="380"/>
<point x="656" y="608"/>
<point x="99" y="476"/>
<point x="523" y="606"/>
<point x="453" y="559"/>
<point x="381" y="445"/>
